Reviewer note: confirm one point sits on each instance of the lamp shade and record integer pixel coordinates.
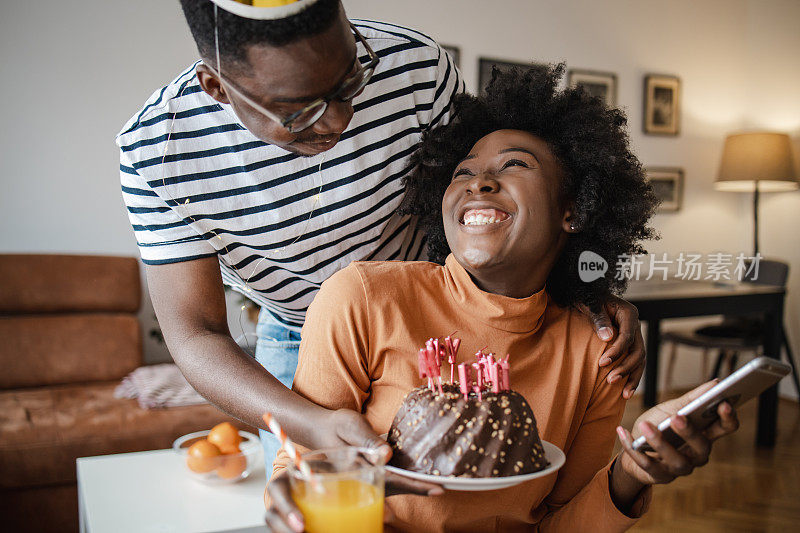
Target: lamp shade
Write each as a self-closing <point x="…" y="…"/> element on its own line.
<point x="763" y="157"/>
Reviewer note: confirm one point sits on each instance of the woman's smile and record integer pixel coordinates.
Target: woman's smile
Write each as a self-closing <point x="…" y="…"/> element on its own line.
<point x="479" y="217"/>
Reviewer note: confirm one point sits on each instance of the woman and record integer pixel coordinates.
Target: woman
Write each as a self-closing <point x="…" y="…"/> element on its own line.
<point x="513" y="191"/>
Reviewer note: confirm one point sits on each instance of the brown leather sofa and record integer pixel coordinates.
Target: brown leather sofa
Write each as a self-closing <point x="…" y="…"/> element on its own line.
<point x="68" y="335"/>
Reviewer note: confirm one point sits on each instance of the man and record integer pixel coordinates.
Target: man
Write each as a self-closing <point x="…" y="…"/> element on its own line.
<point x="268" y="166"/>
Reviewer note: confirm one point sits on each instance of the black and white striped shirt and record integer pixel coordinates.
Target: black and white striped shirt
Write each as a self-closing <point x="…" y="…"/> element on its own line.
<point x="197" y="183"/>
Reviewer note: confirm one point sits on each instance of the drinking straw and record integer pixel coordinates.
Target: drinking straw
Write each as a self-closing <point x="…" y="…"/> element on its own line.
<point x="290" y="448"/>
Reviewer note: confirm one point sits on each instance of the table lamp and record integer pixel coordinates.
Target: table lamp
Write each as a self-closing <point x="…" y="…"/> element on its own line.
<point x="757" y="162"/>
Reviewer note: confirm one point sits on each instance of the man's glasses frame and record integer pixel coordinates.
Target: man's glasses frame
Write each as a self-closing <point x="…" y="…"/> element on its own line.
<point x="312" y="112"/>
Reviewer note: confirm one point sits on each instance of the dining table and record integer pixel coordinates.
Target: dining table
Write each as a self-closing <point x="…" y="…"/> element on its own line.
<point x="659" y="299"/>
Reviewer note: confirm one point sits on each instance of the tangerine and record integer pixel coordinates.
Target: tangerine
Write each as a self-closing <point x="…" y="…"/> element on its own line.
<point x="202" y="457"/>
<point x="226" y="437"/>
<point x="232" y="466"/>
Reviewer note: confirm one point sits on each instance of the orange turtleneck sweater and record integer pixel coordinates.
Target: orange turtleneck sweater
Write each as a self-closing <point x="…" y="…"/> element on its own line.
<point x="359" y="351"/>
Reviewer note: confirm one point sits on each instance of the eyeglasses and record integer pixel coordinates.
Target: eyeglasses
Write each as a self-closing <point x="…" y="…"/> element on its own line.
<point x="308" y="115"/>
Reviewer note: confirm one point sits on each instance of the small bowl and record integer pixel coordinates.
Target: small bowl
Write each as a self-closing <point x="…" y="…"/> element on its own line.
<point x="247" y="459"/>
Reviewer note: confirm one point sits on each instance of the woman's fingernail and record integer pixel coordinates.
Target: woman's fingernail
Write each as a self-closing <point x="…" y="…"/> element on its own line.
<point x="604" y="361"/>
<point x="612" y="379"/>
<point x="436" y="491"/>
<point x="296" y="522"/>
<point x="605" y="333"/>
<point x="726" y="408"/>
<point x="621" y="433"/>
<point x="680" y="421"/>
<point x="646" y="430"/>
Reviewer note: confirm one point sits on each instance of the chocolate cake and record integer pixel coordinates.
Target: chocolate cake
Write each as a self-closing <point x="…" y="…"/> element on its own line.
<point x="466" y="429"/>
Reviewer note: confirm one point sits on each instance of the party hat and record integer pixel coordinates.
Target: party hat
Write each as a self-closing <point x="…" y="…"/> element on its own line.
<point x="264" y="9"/>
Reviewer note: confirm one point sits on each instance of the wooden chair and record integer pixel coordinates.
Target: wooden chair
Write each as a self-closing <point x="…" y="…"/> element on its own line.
<point x="735" y="334"/>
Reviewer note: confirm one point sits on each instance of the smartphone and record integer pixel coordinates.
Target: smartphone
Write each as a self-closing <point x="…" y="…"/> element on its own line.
<point x="749" y="381"/>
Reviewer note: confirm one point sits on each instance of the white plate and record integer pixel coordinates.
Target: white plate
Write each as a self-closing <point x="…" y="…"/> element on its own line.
<point x="552" y="453"/>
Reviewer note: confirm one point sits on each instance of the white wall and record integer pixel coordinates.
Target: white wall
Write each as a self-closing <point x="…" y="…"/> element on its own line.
<point x="74" y="72"/>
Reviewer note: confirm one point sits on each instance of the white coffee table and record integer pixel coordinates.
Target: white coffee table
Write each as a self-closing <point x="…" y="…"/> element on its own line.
<point x="147" y="492"/>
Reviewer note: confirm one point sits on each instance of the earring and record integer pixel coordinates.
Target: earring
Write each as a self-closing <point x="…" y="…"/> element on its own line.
<point x="572" y="227"/>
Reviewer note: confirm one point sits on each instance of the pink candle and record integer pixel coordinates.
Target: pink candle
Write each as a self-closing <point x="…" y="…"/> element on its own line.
<point x="427" y="370"/>
<point x="448" y="348"/>
<point x="479" y="374"/>
<point x="422" y="362"/>
<point x="464" y="379"/>
<point x="434" y="369"/>
<point x="478" y="392"/>
<point x="504" y="379"/>
<point x="437" y="348"/>
<point x="479" y="371"/>
<point x="451" y="358"/>
<point x="488" y="363"/>
<point x="433" y="362"/>
<point x="494" y="377"/>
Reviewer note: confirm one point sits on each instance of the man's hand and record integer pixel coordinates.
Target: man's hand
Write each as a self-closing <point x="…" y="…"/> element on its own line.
<point x="634" y="470"/>
<point x="348" y="428"/>
<point x="627" y="346"/>
<point x="337" y="428"/>
<point x="344" y="427"/>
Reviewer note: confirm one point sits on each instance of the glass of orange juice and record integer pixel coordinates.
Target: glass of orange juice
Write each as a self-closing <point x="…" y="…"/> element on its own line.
<point x="344" y="493"/>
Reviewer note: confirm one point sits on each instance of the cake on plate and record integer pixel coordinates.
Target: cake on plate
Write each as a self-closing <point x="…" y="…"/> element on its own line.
<point x="467" y="428"/>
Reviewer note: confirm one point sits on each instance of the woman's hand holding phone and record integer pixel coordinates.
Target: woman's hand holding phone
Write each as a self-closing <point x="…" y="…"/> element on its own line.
<point x="634" y="470"/>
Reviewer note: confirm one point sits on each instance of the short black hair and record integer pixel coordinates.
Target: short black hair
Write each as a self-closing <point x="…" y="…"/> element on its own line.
<point x="602" y="177"/>
<point x="237" y="33"/>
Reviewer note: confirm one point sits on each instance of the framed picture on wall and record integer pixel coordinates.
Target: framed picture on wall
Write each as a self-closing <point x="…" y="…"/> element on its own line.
<point x="602" y="85"/>
<point x="662" y="104"/>
<point x="454" y="52"/>
<point x="667" y="185"/>
<point x="485" y="70"/>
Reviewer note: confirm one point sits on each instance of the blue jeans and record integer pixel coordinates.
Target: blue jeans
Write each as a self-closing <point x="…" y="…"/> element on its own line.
<point x="276" y="350"/>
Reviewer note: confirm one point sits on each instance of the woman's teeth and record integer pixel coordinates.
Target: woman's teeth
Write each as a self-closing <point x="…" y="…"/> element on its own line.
<point x="479" y="220"/>
<point x="483" y="217"/>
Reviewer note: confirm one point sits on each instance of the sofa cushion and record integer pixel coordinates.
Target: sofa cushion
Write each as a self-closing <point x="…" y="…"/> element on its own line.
<point x="65" y="283"/>
<point x="61" y="349"/>
<point x="45" y="430"/>
<point x="21" y="509"/>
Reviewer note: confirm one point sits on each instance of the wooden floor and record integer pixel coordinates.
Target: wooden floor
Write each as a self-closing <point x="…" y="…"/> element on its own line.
<point x="742" y="488"/>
